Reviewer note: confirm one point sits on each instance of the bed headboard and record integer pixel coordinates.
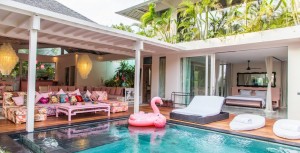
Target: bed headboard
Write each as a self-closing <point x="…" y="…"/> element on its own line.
<point x="275" y="91"/>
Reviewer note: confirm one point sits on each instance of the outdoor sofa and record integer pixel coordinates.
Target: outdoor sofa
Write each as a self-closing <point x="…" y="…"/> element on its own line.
<point x="202" y="110"/>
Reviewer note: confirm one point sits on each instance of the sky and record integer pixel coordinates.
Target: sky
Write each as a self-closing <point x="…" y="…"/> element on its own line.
<point x="102" y="11"/>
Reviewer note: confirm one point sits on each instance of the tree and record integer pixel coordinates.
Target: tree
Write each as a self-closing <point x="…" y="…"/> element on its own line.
<point x="123" y="27"/>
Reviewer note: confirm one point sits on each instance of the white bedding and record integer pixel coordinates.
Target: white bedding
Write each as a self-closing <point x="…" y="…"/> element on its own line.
<point x="251" y="98"/>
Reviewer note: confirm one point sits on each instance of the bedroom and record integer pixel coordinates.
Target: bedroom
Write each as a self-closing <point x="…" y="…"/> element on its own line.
<point x="242" y="79"/>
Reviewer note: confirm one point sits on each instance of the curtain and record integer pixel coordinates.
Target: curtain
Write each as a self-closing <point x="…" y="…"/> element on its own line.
<point x="162" y="76"/>
<point x="186" y="77"/>
<point x="228" y="78"/>
<point x="269" y="67"/>
<point x="218" y="77"/>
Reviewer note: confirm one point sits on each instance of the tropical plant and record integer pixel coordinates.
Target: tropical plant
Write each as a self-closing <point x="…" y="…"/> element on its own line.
<point x="160" y="24"/>
<point x="208" y="19"/>
<point x="123" y="27"/>
<point x="124" y="76"/>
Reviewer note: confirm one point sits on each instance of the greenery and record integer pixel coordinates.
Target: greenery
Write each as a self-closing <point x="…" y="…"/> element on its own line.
<point x="3" y="151"/>
<point x="209" y="19"/>
<point x="124" y="76"/>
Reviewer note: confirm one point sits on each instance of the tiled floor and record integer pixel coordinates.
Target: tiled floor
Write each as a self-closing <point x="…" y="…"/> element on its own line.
<point x="277" y="114"/>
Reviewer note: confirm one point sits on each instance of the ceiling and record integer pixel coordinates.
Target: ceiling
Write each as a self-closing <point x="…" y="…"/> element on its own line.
<point x="253" y="55"/>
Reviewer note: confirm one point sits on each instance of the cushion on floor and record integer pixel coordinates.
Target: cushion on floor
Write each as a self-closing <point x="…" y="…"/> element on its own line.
<point x="281" y="131"/>
<point x="256" y="122"/>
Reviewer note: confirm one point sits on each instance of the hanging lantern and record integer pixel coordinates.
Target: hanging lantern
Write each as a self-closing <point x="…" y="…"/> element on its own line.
<point x="84" y="65"/>
<point x="8" y="59"/>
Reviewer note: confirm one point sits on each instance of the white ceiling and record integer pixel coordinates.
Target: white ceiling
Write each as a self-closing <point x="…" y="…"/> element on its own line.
<point x="253" y="55"/>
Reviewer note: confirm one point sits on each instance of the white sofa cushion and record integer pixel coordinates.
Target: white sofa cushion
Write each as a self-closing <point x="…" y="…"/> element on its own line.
<point x="203" y="106"/>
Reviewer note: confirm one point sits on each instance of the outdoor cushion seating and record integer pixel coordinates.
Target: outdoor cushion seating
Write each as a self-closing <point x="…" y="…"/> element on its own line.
<point x="17" y="114"/>
<point x="116" y="106"/>
<point x="287" y="128"/>
<point x="202" y="110"/>
<point x="245" y="122"/>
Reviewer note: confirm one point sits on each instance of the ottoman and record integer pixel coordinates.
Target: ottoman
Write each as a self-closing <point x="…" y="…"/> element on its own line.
<point x="18" y="114"/>
<point x="116" y="106"/>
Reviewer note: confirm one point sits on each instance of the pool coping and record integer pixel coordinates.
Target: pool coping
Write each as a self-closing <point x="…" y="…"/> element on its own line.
<point x="292" y="144"/>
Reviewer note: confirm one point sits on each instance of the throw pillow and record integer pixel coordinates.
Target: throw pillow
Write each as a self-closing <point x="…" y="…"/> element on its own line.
<point x="76" y="92"/>
<point x="86" y="98"/>
<point x="53" y="99"/>
<point x="60" y="92"/>
<point x="88" y="93"/>
<point x="18" y="100"/>
<point x="79" y="98"/>
<point x="102" y="95"/>
<point x="44" y="100"/>
<point x="94" y="96"/>
<point x="64" y="98"/>
<point x="38" y="96"/>
<point x="73" y="99"/>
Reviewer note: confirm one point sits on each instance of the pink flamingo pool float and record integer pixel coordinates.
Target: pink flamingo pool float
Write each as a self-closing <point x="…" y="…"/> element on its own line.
<point x="149" y="119"/>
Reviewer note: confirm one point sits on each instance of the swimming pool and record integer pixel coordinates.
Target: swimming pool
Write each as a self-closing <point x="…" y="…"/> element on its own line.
<point x="118" y="137"/>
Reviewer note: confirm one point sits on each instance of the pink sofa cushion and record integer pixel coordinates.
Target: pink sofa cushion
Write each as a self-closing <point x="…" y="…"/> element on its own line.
<point x="112" y="91"/>
<point x="119" y="91"/>
<point x="19" y="100"/>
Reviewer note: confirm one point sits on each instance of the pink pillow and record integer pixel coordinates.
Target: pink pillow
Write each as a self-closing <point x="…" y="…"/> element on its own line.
<point x="38" y="96"/>
<point x="102" y="95"/>
<point x="88" y="93"/>
<point x="18" y="100"/>
<point x="60" y="92"/>
<point x="44" y="100"/>
<point x="76" y="92"/>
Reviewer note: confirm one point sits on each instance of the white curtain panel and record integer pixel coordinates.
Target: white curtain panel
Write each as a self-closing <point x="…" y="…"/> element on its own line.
<point x="269" y="67"/>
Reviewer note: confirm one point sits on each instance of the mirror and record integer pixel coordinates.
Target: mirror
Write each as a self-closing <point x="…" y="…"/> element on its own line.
<point x="255" y="79"/>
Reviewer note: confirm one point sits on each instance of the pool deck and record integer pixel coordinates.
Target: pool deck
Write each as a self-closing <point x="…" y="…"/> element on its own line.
<point x="7" y="127"/>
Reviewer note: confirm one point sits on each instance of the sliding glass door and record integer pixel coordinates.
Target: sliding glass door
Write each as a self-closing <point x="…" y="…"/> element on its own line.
<point x="195" y="75"/>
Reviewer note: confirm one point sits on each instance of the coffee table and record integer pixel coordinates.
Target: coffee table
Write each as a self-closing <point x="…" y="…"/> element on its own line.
<point x="71" y="110"/>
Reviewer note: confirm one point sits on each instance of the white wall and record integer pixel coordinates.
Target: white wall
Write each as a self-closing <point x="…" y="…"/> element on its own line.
<point x="293" y="81"/>
<point x="172" y="74"/>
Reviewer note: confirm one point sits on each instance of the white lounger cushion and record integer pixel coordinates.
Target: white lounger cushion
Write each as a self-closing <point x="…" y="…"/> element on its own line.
<point x="284" y="133"/>
<point x="256" y="122"/>
<point x="203" y="106"/>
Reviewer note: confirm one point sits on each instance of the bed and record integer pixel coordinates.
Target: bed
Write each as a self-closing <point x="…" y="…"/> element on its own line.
<point x="247" y="98"/>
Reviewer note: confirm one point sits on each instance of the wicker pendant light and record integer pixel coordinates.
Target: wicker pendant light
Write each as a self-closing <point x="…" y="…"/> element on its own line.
<point x="84" y="65"/>
<point x="8" y="59"/>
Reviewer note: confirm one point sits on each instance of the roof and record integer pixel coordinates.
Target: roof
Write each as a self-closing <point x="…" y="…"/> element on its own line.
<point x="137" y="11"/>
<point x="54" y="6"/>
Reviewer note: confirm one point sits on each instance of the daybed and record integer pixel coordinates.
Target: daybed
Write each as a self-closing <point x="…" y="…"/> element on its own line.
<point x="202" y="110"/>
<point x="244" y="122"/>
<point x="16" y="112"/>
<point x="287" y="128"/>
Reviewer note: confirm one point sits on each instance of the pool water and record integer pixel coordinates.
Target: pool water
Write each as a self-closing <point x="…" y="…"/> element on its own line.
<point x="118" y="137"/>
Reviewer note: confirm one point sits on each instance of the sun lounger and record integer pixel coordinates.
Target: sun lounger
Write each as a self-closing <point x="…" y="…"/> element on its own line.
<point x="201" y="110"/>
<point x="246" y="122"/>
<point x="286" y="128"/>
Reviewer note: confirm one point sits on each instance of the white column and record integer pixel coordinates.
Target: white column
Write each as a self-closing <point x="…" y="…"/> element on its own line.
<point x="139" y="46"/>
<point x="293" y="89"/>
<point x="206" y="75"/>
<point x="35" y="26"/>
<point x="212" y="74"/>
